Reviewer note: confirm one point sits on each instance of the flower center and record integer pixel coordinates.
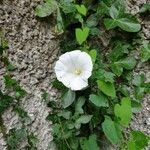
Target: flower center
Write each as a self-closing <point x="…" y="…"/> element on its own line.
<point x="77" y="71"/>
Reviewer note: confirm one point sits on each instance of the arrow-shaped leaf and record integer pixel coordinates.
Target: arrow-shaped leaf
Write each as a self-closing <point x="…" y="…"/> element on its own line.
<point x="82" y="34"/>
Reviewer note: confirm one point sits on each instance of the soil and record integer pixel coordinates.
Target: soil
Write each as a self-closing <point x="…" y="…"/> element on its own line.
<point x="34" y="50"/>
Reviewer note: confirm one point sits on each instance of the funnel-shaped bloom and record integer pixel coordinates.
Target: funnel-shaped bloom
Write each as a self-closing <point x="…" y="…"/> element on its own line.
<point x="73" y="69"/>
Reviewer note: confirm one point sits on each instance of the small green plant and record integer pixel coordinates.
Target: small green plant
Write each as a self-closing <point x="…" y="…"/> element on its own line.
<point x="15" y="137"/>
<point x="99" y="114"/>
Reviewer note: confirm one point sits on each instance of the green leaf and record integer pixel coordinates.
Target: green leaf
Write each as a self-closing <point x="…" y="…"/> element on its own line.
<point x="74" y="143"/>
<point x="82" y="34"/>
<point x="9" y="82"/>
<point x="46" y="97"/>
<point x="10" y="67"/>
<point x="68" y="98"/>
<point x="138" y="141"/>
<point x="13" y="84"/>
<point x="124" y="111"/>
<point x="109" y="76"/>
<point x="147" y="87"/>
<point x="92" y="20"/>
<point x="128" y="25"/>
<point x="107" y="88"/>
<point x="136" y="106"/>
<point x="145" y="8"/>
<point x="124" y="90"/>
<point x="46" y="9"/>
<point x="90" y="143"/>
<point x="19" y="92"/>
<point x="145" y="51"/>
<point x="79" y="18"/>
<point x="125" y="24"/>
<point x="22" y="114"/>
<point x="138" y="80"/>
<point x="58" y="85"/>
<point x="3" y="44"/>
<point x="95" y="31"/>
<point x="79" y="104"/>
<point x="5" y="102"/>
<point x="32" y="140"/>
<point x="120" y="48"/>
<point x="139" y="93"/>
<point x="16" y="137"/>
<point x="128" y="63"/>
<point x="59" y="28"/>
<point x="64" y="114"/>
<point x="67" y="6"/>
<point x="128" y="75"/>
<point x="81" y="9"/>
<point x="110" y="23"/>
<point x="82" y="120"/>
<point x="20" y="134"/>
<point x="117" y="69"/>
<point x="131" y="145"/>
<point x="99" y="100"/>
<point x="111" y="7"/>
<point x="93" y="54"/>
<point x="113" y="12"/>
<point x="102" y="8"/>
<point x="112" y="130"/>
<point x="101" y="74"/>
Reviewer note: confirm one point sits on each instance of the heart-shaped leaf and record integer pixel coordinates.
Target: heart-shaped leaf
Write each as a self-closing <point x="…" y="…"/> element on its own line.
<point x="107" y="88"/>
<point x="138" y="141"/>
<point x="124" y="111"/>
<point x="82" y="34"/>
<point x="90" y="143"/>
<point x="81" y="9"/>
<point x="99" y="100"/>
<point x="112" y="130"/>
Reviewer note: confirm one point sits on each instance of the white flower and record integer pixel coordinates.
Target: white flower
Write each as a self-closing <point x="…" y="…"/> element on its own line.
<point x="73" y="69"/>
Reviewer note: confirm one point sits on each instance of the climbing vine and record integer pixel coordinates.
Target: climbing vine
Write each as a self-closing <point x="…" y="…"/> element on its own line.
<point x="99" y="114"/>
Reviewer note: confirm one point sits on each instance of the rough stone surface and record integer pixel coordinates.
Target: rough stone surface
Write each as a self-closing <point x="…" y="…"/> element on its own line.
<point x="33" y="50"/>
<point x="141" y="120"/>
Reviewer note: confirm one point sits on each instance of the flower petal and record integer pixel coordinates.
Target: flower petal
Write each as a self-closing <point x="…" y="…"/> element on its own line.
<point x="68" y="64"/>
<point x="86" y="74"/>
<point x="78" y="84"/>
<point x="67" y="79"/>
<point x="85" y="61"/>
<point x="69" y="59"/>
